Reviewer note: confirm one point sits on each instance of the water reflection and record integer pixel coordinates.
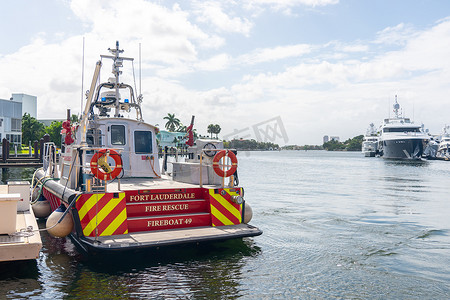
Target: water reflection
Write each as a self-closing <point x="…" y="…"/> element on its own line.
<point x="205" y="271"/>
<point x="406" y="162"/>
<point x="19" y="270"/>
<point x="12" y="174"/>
<point x="208" y="270"/>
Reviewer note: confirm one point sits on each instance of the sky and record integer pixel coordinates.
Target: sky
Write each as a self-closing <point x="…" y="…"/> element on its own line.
<point x="284" y="71"/>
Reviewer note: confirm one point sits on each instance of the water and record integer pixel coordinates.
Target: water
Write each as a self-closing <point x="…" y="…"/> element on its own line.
<point x="336" y="225"/>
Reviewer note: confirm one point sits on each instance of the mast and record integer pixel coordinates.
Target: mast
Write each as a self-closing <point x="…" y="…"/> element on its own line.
<point x="84" y="120"/>
<point x="118" y="63"/>
<point x="396" y="108"/>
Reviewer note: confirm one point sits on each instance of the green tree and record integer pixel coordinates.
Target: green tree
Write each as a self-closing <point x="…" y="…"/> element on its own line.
<point x="242" y="144"/>
<point x="172" y="122"/>
<point x="354" y="144"/>
<point x="333" y="145"/>
<point x="211" y="129"/>
<point x="54" y="131"/>
<point x="32" y="130"/>
<point x="217" y="130"/>
<point x="74" y="119"/>
<point x="181" y="128"/>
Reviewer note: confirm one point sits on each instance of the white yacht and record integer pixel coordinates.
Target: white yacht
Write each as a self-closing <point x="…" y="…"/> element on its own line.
<point x="400" y="138"/>
<point x="370" y="142"/>
<point x="443" y="151"/>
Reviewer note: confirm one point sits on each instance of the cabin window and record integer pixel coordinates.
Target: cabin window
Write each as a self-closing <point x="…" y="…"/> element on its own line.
<point x="94" y="137"/>
<point x="402" y="129"/>
<point x="143" y="141"/>
<point x="117" y="135"/>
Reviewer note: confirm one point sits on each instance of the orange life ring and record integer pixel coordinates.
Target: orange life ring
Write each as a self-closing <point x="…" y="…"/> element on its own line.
<point x="217" y="168"/>
<point x="98" y="172"/>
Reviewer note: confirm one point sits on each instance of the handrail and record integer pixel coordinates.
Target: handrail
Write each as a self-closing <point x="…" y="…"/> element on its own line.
<point x="49" y="158"/>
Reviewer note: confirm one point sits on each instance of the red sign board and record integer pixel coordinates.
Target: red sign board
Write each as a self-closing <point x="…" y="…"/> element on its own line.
<point x="168" y="222"/>
<point x="165" y="195"/>
<point x="166" y="208"/>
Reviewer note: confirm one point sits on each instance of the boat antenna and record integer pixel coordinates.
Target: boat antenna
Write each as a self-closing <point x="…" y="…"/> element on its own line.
<point x="118" y="62"/>
<point x="82" y="80"/>
<point x="140" y="71"/>
<point x="396" y="107"/>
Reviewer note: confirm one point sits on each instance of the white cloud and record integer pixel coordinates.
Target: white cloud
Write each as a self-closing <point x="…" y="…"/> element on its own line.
<point x="165" y="33"/>
<point x="355" y="48"/>
<point x="285" y="5"/>
<point x="274" y="54"/>
<point x="212" y="12"/>
<point x="215" y="63"/>
<point x="398" y="34"/>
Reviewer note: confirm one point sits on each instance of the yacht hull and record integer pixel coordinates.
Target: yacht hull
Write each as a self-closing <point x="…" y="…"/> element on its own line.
<point x="369" y="153"/>
<point x="403" y="148"/>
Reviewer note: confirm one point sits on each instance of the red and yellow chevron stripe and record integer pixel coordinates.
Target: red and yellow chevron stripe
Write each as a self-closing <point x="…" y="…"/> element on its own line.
<point x="223" y="210"/>
<point x="102" y="214"/>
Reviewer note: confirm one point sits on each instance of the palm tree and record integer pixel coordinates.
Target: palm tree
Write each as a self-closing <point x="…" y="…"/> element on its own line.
<point x="211" y="129"/>
<point x="172" y="122"/>
<point x="217" y="130"/>
<point x="181" y="128"/>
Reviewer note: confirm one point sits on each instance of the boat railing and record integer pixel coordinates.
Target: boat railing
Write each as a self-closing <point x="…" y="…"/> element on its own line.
<point x="49" y="159"/>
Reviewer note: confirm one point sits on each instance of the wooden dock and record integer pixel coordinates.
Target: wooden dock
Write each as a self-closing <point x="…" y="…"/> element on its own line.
<point x="14" y="248"/>
<point x="21" y="162"/>
<point x="23" y="243"/>
<point x="35" y="159"/>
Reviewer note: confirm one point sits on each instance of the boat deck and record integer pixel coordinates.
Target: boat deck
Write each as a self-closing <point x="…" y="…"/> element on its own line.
<point x="21" y="247"/>
<point x="160" y="238"/>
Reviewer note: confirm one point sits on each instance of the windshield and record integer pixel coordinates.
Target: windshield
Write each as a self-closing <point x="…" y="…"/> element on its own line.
<point x="402" y="129"/>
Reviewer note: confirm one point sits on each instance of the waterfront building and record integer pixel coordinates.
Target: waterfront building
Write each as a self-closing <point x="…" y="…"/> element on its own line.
<point x="11" y="112"/>
<point x="325" y="139"/>
<point x="171" y="139"/>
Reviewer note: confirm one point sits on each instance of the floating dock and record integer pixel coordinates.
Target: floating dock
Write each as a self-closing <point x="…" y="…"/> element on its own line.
<point x="19" y="235"/>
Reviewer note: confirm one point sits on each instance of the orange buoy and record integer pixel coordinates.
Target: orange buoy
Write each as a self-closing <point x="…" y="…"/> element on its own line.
<point x="107" y="174"/>
<point x="219" y="168"/>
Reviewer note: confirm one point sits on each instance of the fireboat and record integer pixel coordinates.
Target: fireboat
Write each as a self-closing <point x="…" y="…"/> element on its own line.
<point x="108" y="193"/>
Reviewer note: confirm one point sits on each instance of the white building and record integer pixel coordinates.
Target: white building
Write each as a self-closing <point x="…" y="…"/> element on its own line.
<point x="11" y="112"/>
<point x="334" y="138"/>
<point x="29" y="104"/>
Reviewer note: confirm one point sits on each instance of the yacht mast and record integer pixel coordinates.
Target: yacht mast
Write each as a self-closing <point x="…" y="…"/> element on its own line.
<point x="396" y="108"/>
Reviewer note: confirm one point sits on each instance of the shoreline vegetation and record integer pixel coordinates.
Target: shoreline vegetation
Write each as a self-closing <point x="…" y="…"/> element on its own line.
<point x="250" y="145"/>
<point x="353" y="144"/>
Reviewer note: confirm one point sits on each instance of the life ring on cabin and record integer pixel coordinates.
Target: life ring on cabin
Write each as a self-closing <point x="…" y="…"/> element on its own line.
<point x="100" y="167"/>
<point x="218" y="168"/>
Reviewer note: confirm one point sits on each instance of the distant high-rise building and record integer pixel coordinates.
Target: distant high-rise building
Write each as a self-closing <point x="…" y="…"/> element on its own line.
<point x="325" y="139"/>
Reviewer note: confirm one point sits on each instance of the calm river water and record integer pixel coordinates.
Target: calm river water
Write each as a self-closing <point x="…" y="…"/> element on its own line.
<point x="336" y="226"/>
